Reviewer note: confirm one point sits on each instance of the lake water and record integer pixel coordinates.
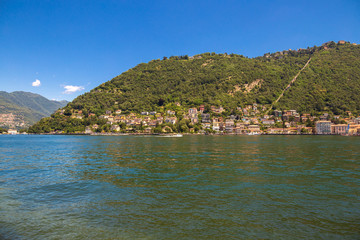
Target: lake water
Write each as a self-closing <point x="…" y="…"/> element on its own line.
<point x="194" y="187"/>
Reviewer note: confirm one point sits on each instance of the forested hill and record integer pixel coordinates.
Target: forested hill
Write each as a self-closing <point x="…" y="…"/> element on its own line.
<point x="330" y="82"/>
<point x="25" y="107"/>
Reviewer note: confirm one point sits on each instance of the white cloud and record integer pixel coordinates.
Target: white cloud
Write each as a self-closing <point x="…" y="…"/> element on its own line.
<point x="71" y="89"/>
<point x="37" y="83"/>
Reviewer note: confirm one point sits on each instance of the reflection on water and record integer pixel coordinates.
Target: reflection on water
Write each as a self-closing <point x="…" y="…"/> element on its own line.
<point x="217" y="187"/>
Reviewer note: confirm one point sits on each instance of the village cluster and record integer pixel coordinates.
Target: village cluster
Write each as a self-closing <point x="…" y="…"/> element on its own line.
<point x="250" y="120"/>
<point x="11" y="120"/>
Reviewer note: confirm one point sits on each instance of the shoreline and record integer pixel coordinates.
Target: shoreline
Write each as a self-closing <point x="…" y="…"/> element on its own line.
<point x="177" y="134"/>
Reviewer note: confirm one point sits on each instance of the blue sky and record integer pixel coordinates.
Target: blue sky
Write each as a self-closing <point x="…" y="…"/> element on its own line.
<point x="73" y="46"/>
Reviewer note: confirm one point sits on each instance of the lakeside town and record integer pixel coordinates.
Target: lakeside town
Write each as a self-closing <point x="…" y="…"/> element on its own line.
<point x="251" y="120"/>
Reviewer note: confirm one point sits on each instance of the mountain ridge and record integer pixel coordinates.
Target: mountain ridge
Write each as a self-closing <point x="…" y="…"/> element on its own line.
<point x="330" y="83"/>
<point x="25" y="107"/>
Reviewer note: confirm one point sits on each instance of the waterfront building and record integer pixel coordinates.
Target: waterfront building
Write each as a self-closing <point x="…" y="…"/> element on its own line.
<point x="300" y="128"/>
<point x="12" y="131"/>
<point x="323" y="127"/>
<point x="229" y="125"/>
<point x="309" y="130"/>
<point x="291" y="130"/>
<point x="216" y="126"/>
<point x="254" y="128"/>
<point x="148" y="130"/>
<point x="115" y="128"/>
<point x="339" y="129"/>
<point x="276" y="130"/>
<point x="240" y="128"/>
<point x="88" y="130"/>
<point x="353" y="129"/>
<point x="206" y="125"/>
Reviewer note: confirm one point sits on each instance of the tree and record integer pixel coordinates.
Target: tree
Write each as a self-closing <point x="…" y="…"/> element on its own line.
<point x="309" y="123"/>
<point x="157" y="129"/>
<point x="67" y="112"/>
<point x="161" y="102"/>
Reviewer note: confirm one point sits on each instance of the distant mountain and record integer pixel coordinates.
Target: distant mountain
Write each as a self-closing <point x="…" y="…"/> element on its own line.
<point x="22" y="109"/>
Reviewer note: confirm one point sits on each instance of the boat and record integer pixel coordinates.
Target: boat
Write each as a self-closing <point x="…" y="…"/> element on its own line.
<point x="172" y="135"/>
<point x="253" y="133"/>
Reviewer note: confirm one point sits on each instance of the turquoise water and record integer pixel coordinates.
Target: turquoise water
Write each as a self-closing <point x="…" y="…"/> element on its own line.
<point x="194" y="187"/>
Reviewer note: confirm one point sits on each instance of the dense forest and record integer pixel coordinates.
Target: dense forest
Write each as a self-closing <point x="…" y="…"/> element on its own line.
<point x="330" y="83"/>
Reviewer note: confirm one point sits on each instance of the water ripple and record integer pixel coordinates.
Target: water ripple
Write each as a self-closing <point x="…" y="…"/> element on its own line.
<point x="195" y="187"/>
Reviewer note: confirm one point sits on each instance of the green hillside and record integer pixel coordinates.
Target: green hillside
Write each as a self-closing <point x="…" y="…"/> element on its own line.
<point x="28" y="106"/>
<point x="330" y="83"/>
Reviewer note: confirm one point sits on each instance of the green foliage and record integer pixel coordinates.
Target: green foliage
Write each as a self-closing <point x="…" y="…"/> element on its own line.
<point x="59" y="123"/>
<point x="330" y="83"/>
<point x="310" y="123"/>
<point x="157" y="129"/>
<point x="31" y="107"/>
